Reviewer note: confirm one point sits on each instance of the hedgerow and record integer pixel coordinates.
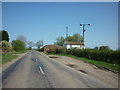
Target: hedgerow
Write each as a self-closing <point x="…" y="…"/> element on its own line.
<point x="99" y="55"/>
<point x="105" y="55"/>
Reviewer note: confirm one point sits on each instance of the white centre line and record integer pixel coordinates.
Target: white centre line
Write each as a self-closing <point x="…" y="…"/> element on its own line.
<point x="41" y="70"/>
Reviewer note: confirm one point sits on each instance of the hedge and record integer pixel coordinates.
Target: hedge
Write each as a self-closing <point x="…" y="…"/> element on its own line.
<point x="99" y="55"/>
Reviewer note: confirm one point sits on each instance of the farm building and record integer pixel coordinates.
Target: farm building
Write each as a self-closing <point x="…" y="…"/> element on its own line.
<point x="48" y="48"/>
<point x="69" y="45"/>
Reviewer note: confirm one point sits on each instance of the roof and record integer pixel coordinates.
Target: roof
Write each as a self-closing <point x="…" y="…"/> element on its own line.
<point x="52" y="46"/>
<point x="74" y="43"/>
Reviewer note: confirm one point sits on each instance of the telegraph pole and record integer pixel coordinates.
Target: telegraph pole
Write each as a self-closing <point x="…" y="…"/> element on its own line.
<point x="66" y="33"/>
<point x="84" y="31"/>
<point x="66" y="39"/>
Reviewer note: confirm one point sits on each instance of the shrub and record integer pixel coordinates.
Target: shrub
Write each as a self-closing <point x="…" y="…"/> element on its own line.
<point x="104" y="48"/>
<point x="6" y="46"/>
<point x="60" y="50"/>
<point x="18" y="45"/>
<point x="105" y="55"/>
<point x="40" y="49"/>
<point x="51" y="51"/>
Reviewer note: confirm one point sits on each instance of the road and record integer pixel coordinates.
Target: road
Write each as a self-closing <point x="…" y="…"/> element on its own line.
<point x="35" y="70"/>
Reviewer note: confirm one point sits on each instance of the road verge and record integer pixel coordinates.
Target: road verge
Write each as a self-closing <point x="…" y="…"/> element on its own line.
<point x="7" y="64"/>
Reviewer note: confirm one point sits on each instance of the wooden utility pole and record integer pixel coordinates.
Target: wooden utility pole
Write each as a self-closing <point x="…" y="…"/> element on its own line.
<point x="84" y="31"/>
<point x="66" y="33"/>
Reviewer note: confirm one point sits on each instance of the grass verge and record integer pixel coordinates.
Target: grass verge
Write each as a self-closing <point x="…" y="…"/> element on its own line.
<point x="19" y="52"/>
<point x="111" y="66"/>
<point x="6" y="57"/>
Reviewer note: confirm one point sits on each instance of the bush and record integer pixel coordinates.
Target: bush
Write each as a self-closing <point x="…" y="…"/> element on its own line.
<point x="105" y="55"/>
<point x="104" y="48"/>
<point x="6" y="46"/>
<point x="18" y="45"/>
<point x="40" y="49"/>
<point x="51" y="51"/>
<point x="60" y="50"/>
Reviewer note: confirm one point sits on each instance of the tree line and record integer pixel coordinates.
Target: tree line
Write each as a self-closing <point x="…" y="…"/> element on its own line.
<point x="20" y="44"/>
<point x="15" y="45"/>
<point x="74" y="38"/>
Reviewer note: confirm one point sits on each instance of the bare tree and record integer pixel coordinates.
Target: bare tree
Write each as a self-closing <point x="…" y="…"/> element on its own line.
<point x="39" y="44"/>
<point x="22" y="38"/>
<point x="30" y="44"/>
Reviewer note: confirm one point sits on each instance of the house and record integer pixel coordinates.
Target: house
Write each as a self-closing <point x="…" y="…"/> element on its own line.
<point x="48" y="48"/>
<point x="69" y="45"/>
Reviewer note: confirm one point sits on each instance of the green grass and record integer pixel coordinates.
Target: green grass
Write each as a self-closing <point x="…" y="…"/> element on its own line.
<point x="7" y="57"/>
<point x="19" y="52"/>
<point x="112" y="66"/>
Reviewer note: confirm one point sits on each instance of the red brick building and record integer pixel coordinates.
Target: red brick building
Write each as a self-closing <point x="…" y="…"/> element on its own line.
<point x="47" y="48"/>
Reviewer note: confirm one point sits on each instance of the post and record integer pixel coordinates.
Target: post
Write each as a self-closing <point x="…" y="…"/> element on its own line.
<point x="66" y="33"/>
<point x="66" y="39"/>
<point x="84" y="31"/>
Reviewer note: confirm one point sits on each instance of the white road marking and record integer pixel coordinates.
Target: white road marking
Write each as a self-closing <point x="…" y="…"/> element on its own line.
<point x="41" y="70"/>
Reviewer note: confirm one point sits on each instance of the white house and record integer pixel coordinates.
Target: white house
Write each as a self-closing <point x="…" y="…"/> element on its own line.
<point x="69" y="45"/>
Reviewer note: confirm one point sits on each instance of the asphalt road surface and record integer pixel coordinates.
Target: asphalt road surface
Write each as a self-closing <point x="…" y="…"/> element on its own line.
<point x="34" y="70"/>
